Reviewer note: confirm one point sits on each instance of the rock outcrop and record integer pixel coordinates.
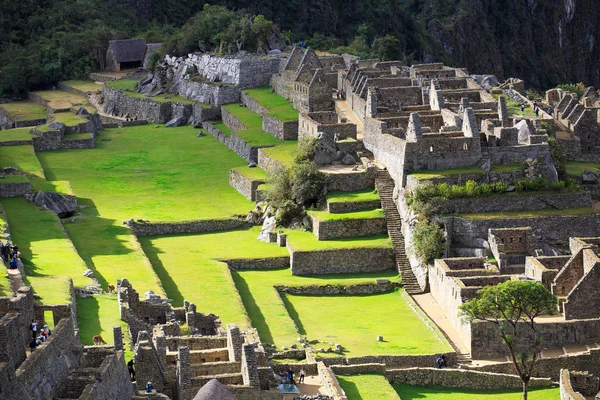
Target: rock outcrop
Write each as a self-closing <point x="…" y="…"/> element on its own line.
<point x="62" y="205"/>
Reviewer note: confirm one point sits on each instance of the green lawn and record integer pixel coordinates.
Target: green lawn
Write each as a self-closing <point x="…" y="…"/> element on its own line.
<point x="302" y="240"/>
<point x="265" y="308"/>
<point x="77" y="136"/>
<point x="284" y="152"/>
<point x="60" y="99"/>
<point x="15" y="134"/>
<point x="577" y="167"/>
<point x="189" y="267"/>
<point x="407" y="392"/>
<point x="442" y="173"/>
<point x="24" y="110"/>
<point x="279" y="107"/>
<point x="85" y="86"/>
<point x="13" y="179"/>
<point x="327" y="216"/>
<point x="337" y="319"/>
<point x="47" y="253"/>
<point x="367" y="387"/>
<point x="23" y="158"/>
<point x="254" y="135"/>
<point x="97" y="315"/>
<point x="514" y="107"/>
<point x="127" y="86"/>
<point x="67" y="118"/>
<point x="360" y="196"/>
<point x="256" y="174"/>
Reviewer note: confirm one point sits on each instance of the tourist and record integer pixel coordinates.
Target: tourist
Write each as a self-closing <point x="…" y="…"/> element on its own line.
<point x="302" y="373"/>
<point x="549" y="111"/>
<point x="523" y="109"/>
<point x="290" y="376"/>
<point x="33" y="344"/>
<point x="149" y="387"/>
<point x="131" y="370"/>
<point x="537" y="111"/>
<point x="33" y="327"/>
<point x="441" y="362"/>
<point x="47" y="331"/>
<point x="14" y="264"/>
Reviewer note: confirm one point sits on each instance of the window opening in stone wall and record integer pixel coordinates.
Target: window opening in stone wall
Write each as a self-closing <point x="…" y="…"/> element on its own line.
<point x="431" y="149"/>
<point x="465" y="146"/>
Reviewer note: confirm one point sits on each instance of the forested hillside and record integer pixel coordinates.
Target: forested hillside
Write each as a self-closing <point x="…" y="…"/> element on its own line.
<point x="544" y="42"/>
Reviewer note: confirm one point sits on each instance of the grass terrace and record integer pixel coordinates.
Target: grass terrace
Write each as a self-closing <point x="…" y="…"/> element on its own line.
<point x="255" y="174"/>
<point x="203" y="278"/>
<point x="24" y="110"/>
<point x="367" y="387"/>
<point x="407" y="392"/>
<point x="270" y="315"/>
<point x="127" y="87"/>
<point x="362" y="196"/>
<point x="13" y="179"/>
<point x="279" y="107"/>
<point x="284" y="153"/>
<point x="388" y="315"/>
<point x="305" y="241"/>
<point x="531" y="214"/>
<point x="224" y="129"/>
<point x="67" y="118"/>
<point x="577" y="167"/>
<point x="77" y="136"/>
<point x="514" y="107"/>
<point x="327" y="216"/>
<point x="60" y="99"/>
<point x="254" y="135"/>
<point x="23" y="158"/>
<point x="47" y="253"/>
<point x="442" y="173"/>
<point x="10" y="135"/>
<point x="84" y="86"/>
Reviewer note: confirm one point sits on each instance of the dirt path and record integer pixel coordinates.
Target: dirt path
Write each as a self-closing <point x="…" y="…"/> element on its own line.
<point x="344" y="110"/>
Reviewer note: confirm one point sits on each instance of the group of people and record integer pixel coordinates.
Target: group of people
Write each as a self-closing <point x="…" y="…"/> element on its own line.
<point x="536" y="109"/>
<point x="10" y="254"/>
<point x="289" y="376"/>
<point x="39" y="335"/>
<point x="340" y="94"/>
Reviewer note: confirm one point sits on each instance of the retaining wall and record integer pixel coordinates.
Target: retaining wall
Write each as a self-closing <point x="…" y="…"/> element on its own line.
<point x="235" y="143"/>
<point x="566" y="390"/>
<point x="336" y="229"/>
<point x="208" y="93"/>
<point x="342" y="261"/>
<point x="333" y="290"/>
<point x="421" y="361"/>
<point x="352" y="181"/>
<point x="170" y="228"/>
<point x="265" y="162"/>
<point x="244" y="185"/>
<point x="258" y="263"/>
<point x="459" y="378"/>
<point x="279" y="129"/>
<point x="342" y="207"/>
<point x="14" y="189"/>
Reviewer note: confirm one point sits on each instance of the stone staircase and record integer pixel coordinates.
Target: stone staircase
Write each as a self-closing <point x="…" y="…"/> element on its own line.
<point x="385" y="186"/>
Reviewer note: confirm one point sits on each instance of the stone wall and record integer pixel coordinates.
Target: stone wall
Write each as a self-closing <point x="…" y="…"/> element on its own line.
<point x="235" y="143"/>
<point x="279" y="86"/>
<point x="351" y="180"/>
<point x="258" y="263"/>
<point x="460" y="378"/>
<point x="243" y="184"/>
<point x="14" y="189"/>
<point x="112" y="380"/>
<point x="330" y="383"/>
<point x="279" y="129"/>
<point x="391" y="362"/>
<point x="502" y="203"/>
<point x="208" y="93"/>
<point x="120" y="104"/>
<point x="231" y="121"/>
<point x="46" y="369"/>
<point x="171" y="228"/>
<point x="566" y="390"/>
<point x="253" y="104"/>
<point x="17" y="313"/>
<point x="554" y="227"/>
<point x="336" y="229"/>
<point x="310" y="125"/>
<point x="381" y="286"/>
<point x="341" y="261"/>
<point x="342" y="207"/>
<point x="265" y="162"/>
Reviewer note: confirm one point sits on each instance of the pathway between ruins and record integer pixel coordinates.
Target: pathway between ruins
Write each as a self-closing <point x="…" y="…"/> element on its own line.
<point x="343" y="109"/>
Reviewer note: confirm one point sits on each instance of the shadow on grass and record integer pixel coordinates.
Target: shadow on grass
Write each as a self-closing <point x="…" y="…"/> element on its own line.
<point x="254" y="313"/>
<point x="88" y="317"/>
<point x="293" y="313"/>
<point x="168" y="284"/>
<point x="350" y="389"/>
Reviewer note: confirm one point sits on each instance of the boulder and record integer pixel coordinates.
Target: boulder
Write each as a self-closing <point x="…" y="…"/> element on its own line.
<point x="88" y="273"/>
<point x="82" y="111"/>
<point x="589" y="177"/>
<point x="57" y="126"/>
<point x="269" y="226"/>
<point x="524" y="131"/>
<point x="348" y="160"/>
<point x="175" y="122"/>
<point x="63" y="206"/>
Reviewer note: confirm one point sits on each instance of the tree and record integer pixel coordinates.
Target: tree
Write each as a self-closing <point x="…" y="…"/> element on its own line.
<point x="511" y="305"/>
<point x="387" y="48"/>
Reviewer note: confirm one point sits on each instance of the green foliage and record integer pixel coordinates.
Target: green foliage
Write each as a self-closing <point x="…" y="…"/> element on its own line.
<point x="429" y="240"/>
<point x="306" y="150"/>
<point x="279" y="190"/>
<point x="558" y="158"/>
<point x="288" y="212"/>
<point x="308" y="183"/>
<point x="577" y="88"/>
<point x="387" y="48"/>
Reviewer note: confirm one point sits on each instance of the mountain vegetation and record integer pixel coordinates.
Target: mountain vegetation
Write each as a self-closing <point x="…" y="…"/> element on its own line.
<point x="545" y="43"/>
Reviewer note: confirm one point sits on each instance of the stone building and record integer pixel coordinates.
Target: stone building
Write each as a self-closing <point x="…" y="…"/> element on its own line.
<point x="125" y="54"/>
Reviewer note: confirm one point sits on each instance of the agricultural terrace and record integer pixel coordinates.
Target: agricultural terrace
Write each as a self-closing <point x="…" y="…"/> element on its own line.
<point x="60" y="99"/>
<point x="279" y="107"/>
<point x="24" y="110"/>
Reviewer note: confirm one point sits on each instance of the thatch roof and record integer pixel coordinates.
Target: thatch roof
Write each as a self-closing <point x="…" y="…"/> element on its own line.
<point x="214" y="390"/>
<point x="128" y="50"/>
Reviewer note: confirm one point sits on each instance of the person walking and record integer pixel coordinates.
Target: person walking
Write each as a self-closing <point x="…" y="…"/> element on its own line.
<point x="33" y="327"/>
<point x="130" y="365"/>
<point x="537" y="111"/>
<point x="302" y="374"/>
<point x="523" y="109"/>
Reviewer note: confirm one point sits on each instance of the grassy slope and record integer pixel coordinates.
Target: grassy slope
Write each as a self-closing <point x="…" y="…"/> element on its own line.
<point x="266" y="309"/>
<point x="25" y="110"/>
<point x="353" y="197"/>
<point x="67" y="118"/>
<point x="279" y="107"/>
<point x="15" y="134"/>
<point x="85" y="86"/>
<point x="284" y="152"/>
<point x="254" y="135"/>
<point x="224" y="129"/>
<point x="367" y="387"/>
<point x="389" y="316"/>
<point x="62" y="99"/>
<point x="407" y="392"/>
<point x="189" y="268"/>
<point x="46" y="251"/>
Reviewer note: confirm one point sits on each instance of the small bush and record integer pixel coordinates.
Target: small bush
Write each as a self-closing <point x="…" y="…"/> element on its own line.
<point x="559" y="186"/>
<point x="471" y="188"/>
<point x="444" y="190"/>
<point x="458" y="191"/>
<point x="485" y="189"/>
<point x="288" y="212"/>
<point x="499" y="187"/>
<point x="306" y="150"/>
<point x="425" y="192"/>
<point x="279" y="189"/>
<point x="429" y="240"/>
<point x="307" y="184"/>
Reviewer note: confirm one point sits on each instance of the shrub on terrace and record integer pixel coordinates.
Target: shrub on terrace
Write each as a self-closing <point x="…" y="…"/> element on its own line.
<point x="429" y="240"/>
